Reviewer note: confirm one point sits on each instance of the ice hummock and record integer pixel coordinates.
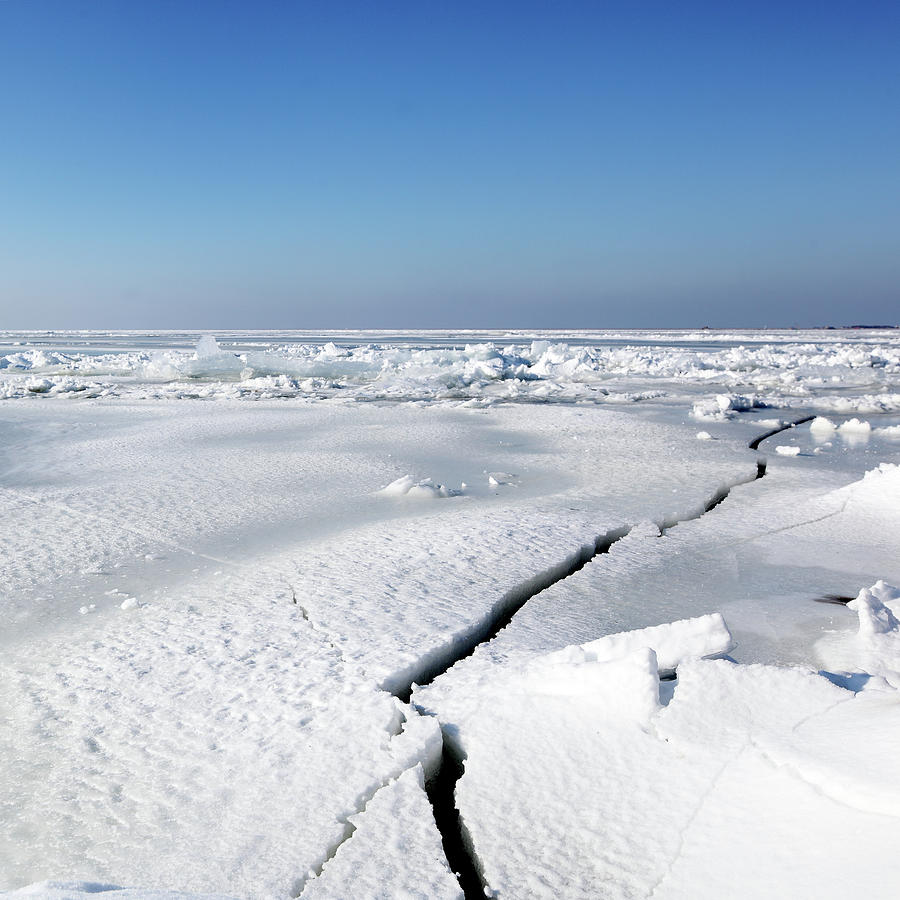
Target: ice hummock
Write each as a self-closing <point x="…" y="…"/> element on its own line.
<point x="722" y="376"/>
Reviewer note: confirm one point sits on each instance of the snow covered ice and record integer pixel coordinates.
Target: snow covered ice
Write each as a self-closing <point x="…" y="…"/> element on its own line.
<point x="230" y="560"/>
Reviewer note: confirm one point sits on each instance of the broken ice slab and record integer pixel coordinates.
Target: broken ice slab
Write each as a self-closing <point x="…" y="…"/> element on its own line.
<point x="703" y="637"/>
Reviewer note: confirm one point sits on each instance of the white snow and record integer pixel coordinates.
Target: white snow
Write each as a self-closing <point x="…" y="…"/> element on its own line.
<point x="582" y="779"/>
<point x="872" y="655"/>
<point x="822" y="425"/>
<point x="206" y="607"/>
<point x="394" y="851"/>
<point x="704" y="637"/>
<point x="405" y="486"/>
<point x="83" y="890"/>
<point x="875" y="616"/>
<point x="854" y="426"/>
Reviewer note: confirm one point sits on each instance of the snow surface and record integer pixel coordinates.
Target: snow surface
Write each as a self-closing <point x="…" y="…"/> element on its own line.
<point x="761" y="558"/>
<point x="395" y="850"/>
<point x="207" y="604"/>
<point x="665" y="801"/>
<point x="82" y="890"/>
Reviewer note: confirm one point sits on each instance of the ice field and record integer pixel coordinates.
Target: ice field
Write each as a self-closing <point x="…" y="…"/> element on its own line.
<point x="345" y="615"/>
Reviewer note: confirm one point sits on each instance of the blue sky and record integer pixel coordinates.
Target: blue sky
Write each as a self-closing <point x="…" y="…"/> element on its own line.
<point x="302" y="165"/>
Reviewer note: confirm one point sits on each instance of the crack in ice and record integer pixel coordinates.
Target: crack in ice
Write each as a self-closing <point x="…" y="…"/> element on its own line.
<point x="461" y="855"/>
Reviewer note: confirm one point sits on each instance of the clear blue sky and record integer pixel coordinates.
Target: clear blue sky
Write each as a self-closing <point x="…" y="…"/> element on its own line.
<point x="178" y="163"/>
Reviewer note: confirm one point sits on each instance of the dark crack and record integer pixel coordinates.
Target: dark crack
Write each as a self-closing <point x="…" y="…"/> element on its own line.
<point x="499" y="616"/>
<point x="834" y="598"/>
<point x="754" y="444"/>
<point x="441" y="790"/>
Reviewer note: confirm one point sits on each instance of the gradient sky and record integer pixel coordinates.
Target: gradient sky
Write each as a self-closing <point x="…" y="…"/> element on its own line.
<point x="178" y="163"/>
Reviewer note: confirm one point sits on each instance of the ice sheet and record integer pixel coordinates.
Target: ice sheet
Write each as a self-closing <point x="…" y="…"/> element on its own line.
<point x="761" y="558"/>
<point x="210" y="741"/>
<point x="205" y="603"/>
<point x="240" y="590"/>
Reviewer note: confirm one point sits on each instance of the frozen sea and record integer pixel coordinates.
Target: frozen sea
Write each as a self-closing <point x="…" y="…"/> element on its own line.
<point x="441" y="614"/>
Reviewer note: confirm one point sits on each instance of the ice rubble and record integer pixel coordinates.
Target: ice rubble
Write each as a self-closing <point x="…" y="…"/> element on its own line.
<point x="854" y="426"/>
<point x="405" y="486"/>
<point x="724" y="406"/>
<point x="576" y="671"/>
<point x="773" y="369"/>
<point x="822" y="425"/>
<point x="874" y="651"/>
<point x="704" y="637"/>
<point x="875" y="615"/>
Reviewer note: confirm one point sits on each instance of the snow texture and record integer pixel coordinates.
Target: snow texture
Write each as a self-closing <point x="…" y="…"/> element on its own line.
<point x="394" y="851"/>
<point x="581" y="784"/>
<point x="222" y="556"/>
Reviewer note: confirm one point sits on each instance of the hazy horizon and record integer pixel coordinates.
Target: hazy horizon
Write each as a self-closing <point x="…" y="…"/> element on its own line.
<point x="219" y="164"/>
